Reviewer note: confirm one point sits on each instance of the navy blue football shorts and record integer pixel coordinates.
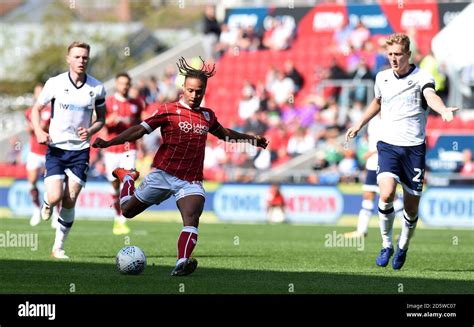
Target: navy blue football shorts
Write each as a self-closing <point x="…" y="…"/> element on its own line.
<point x="404" y="163"/>
<point x="74" y="164"/>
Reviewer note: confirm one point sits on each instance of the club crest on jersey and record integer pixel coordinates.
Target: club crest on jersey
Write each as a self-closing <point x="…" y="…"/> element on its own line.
<point x="206" y="115"/>
<point x="133" y="109"/>
<point x="178" y="111"/>
<point x="66" y="91"/>
<point x="91" y="93"/>
<point x="410" y="82"/>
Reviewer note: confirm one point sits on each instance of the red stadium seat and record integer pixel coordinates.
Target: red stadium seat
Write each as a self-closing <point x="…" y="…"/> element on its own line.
<point x="308" y="52"/>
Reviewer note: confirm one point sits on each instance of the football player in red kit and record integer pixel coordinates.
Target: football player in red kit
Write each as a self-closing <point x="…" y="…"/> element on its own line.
<point x="122" y="113"/>
<point x="178" y="164"/>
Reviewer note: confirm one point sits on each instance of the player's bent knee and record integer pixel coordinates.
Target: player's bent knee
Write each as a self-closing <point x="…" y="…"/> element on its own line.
<point x="128" y="211"/>
<point x="68" y="202"/>
<point x="132" y="206"/>
<point x="192" y="219"/>
<point x="54" y="199"/>
<point x="387" y="197"/>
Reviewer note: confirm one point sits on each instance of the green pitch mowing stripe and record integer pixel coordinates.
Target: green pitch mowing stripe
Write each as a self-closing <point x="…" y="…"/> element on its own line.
<point x="234" y="259"/>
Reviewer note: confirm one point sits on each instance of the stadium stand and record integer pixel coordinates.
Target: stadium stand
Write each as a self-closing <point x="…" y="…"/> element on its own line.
<point x="251" y="59"/>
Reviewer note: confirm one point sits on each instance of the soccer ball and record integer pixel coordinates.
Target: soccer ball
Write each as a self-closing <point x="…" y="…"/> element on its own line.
<point x="131" y="260"/>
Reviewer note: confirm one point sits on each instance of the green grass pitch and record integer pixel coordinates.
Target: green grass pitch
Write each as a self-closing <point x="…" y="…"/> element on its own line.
<point x="235" y="259"/>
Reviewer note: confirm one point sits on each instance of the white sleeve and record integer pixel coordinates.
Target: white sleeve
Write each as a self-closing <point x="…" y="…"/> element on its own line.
<point x="377" y="92"/>
<point x="47" y="94"/>
<point x="102" y="93"/>
<point x="100" y="99"/>
<point x="427" y="82"/>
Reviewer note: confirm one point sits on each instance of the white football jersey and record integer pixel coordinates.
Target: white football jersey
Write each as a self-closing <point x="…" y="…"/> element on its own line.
<point x="403" y="106"/>
<point x="71" y="107"/>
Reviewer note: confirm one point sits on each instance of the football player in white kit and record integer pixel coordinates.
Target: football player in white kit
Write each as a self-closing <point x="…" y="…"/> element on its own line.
<point x="370" y="186"/>
<point x="402" y="94"/>
<point x="74" y="96"/>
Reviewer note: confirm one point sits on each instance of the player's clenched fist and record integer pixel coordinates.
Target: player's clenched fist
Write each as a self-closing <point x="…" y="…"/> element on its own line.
<point x="42" y="137"/>
<point x="100" y="143"/>
<point x="351" y="133"/>
<point x="261" y="141"/>
<point x="83" y="133"/>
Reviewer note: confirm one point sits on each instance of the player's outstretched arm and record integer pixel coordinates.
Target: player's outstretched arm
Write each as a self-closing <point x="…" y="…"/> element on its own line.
<point x="372" y="110"/>
<point x="131" y="134"/>
<point x="228" y="134"/>
<point x="435" y="103"/>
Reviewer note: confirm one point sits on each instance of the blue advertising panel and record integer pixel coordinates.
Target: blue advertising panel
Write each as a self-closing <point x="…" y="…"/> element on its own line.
<point x="304" y="204"/>
<point x="94" y="201"/>
<point x="448" y="207"/>
<point x="371" y="16"/>
<point x="245" y="17"/>
<point x="447" y="154"/>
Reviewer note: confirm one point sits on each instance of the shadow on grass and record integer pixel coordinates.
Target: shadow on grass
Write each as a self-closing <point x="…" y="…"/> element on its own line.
<point x="57" y="277"/>
<point x="173" y="256"/>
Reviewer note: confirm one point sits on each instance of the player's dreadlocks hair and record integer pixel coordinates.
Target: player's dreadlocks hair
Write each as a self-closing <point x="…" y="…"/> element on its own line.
<point x="206" y="71"/>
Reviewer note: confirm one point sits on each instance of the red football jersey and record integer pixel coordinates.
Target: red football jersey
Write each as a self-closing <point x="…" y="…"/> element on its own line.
<point x="124" y="115"/>
<point x="276" y="199"/>
<point x="184" y="132"/>
<point x="45" y="116"/>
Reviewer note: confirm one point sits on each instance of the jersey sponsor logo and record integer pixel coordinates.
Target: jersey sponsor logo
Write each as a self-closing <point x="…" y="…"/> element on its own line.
<point x="73" y="107"/>
<point x="200" y="129"/>
<point x="411" y="96"/>
<point x="186" y="127"/>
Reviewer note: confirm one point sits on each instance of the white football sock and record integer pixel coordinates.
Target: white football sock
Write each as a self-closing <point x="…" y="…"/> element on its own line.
<point x="408" y="230"/>
<point x="364" y="216"/>
<point x="386" y="218"/>
<point x="65" y="221"/>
